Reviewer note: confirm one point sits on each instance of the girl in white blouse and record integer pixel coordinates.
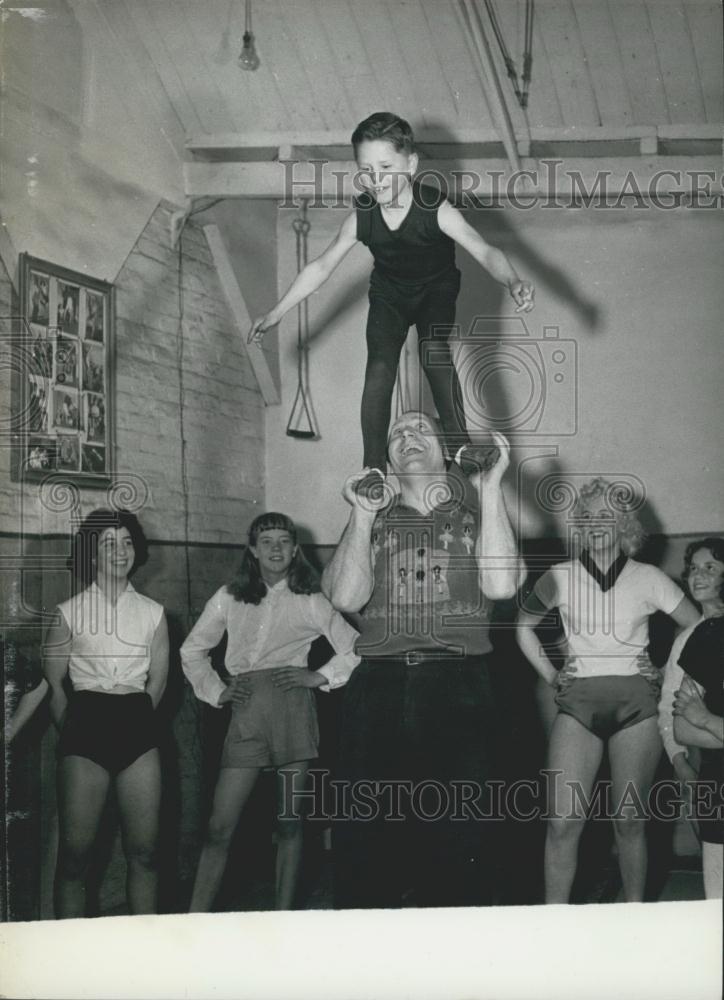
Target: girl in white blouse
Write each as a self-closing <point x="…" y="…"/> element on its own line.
<point x="272" y="613"/>
<point x="112" y="642"/>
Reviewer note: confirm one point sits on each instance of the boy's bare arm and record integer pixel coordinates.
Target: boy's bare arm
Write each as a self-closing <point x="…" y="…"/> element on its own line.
<point x="493" y="260"/>
<point x="309" y="279"/>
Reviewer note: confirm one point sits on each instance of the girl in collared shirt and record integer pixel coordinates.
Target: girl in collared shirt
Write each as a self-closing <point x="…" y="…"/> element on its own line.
<point x="604" y="700"/>
<point x="112" y="642"/>
<point x="272" y="612"/>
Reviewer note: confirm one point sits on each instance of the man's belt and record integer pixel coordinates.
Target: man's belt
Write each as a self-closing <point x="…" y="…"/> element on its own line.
<point x="412" y="657"/>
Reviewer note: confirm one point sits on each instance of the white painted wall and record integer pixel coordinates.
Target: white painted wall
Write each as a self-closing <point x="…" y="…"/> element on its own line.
<point x="86" y="150"/>
<point x="304" y="478"/>
<point x="639" y="292"/>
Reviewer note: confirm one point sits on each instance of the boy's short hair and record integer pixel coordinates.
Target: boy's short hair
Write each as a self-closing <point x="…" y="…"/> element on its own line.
<point x="384" y="125"/>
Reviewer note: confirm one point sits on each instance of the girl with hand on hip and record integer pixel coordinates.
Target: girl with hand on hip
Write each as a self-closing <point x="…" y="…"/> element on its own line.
<point x="272" y="612"/>
<point x="604" y="701"/>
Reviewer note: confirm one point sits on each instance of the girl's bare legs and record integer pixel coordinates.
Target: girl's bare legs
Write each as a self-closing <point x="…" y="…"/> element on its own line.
<point x="545" y="697"/>
<point x="576" y="753"/>
<point x="232" y="791"/>
<point x="713" y="863"/>
<point x="290" y="833"/>
<point x="634" y="755"/>
<point x="138" y="790"/>
<point x="82" y="791"/>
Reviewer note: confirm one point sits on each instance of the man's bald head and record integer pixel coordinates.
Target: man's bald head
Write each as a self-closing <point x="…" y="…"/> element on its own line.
<point x="412" y="414"/>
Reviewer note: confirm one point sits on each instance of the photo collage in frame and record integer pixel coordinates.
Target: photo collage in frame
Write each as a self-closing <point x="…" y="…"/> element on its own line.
<point x="66" y="395"/>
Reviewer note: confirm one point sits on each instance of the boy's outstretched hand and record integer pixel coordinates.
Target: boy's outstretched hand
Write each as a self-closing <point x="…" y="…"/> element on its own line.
<point x="523" y="294"/>
<point x="259" y="327"/>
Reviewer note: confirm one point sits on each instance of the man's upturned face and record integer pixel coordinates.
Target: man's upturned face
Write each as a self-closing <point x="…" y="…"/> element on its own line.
<point x="414" y="445"/>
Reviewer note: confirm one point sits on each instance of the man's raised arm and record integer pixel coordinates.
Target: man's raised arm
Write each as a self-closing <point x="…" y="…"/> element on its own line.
<point x="500" y="567"/>
<point x="348" y="578"/>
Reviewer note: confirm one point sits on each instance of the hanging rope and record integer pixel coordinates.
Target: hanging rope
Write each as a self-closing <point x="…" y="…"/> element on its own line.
<point x="300" y="423"/>
<point x="521" y="93"/>
<point x="527" y="54"/>
<point x="509" y="64"/>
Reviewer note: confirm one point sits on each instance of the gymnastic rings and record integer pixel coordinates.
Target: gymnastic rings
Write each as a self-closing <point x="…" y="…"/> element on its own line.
<point x="301" y="421"/>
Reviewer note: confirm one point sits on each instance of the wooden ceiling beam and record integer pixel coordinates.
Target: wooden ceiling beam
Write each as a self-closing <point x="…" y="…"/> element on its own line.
<point x="279" y="145"/>
<point x="234" y="140"/>
<point x="240" y="314"/>
<point x="472" y="27"/>
<point x="333" y="182"/>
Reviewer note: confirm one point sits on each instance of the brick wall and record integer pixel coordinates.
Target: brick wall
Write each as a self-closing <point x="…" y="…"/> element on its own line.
<point x="223" y="410"/>
<point x="195" y="522"/>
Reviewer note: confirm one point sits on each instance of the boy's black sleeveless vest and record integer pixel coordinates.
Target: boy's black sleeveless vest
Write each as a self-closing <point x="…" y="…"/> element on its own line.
<point x="703" y="660"/>
<point x="418" y="252"/>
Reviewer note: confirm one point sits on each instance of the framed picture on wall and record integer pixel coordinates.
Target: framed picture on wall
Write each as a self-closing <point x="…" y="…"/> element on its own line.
<point x="63" y="375"/>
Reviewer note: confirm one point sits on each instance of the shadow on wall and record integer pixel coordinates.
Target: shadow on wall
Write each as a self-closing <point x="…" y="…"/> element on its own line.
<point x="493" y="395"/>
<point x="495" y="361"/>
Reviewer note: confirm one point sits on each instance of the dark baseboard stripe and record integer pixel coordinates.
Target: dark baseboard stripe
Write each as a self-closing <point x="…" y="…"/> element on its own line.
<point x="176" y="543"/>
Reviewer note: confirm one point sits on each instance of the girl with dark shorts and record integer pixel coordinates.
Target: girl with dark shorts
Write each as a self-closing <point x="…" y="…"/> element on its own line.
<point x="112" y="642"/>
<point x="691" y="710"/>
<point x="271" y="613"/>
<point x="604" y="700"/>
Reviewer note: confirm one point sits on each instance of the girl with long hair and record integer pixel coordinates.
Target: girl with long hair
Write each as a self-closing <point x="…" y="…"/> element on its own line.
<point x="272" y="612"/>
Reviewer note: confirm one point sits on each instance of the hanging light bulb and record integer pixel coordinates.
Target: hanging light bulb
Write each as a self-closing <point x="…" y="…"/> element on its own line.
<point x="248" y="59"/>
